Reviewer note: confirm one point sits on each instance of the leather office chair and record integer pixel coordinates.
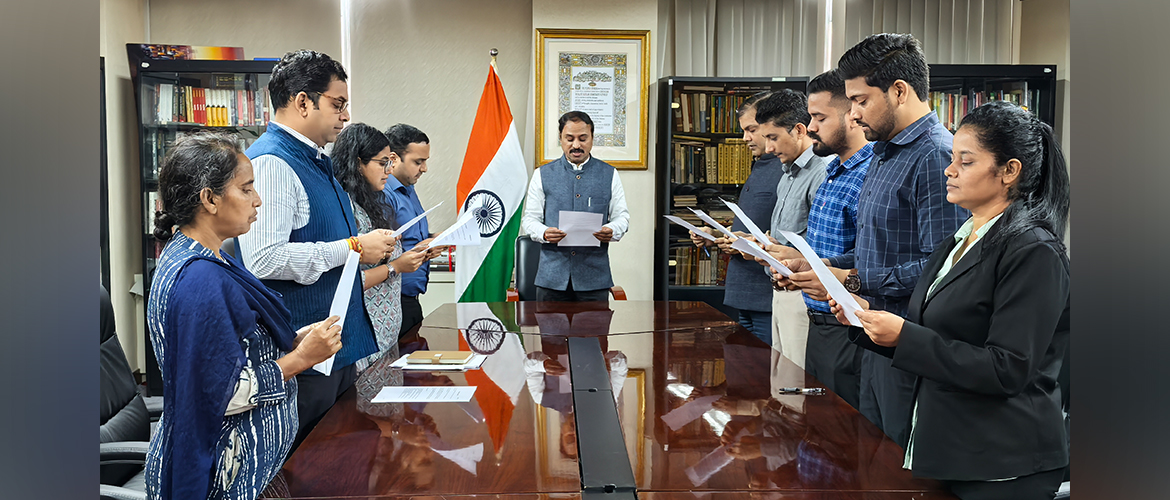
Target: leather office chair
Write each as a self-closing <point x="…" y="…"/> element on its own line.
<point x="527" y="260"/>
<point x="125" y="422"/>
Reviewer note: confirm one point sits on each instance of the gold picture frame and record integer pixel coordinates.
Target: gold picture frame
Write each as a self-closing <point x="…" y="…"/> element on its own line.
<point x="615" y="65"/>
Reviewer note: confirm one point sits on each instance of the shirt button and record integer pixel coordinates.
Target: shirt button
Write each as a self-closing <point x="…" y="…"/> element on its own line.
<point x="578" y="195"/>
<point x="574" y="252"/>
<point x="578" y="177"/>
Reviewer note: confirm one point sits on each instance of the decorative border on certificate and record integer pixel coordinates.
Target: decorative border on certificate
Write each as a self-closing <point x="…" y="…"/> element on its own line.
<point x="595" y="84"/>
<point x="604" y="73"/>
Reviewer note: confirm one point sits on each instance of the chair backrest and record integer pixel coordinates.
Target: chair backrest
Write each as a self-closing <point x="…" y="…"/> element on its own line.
<point x="527" y="261"/>
<point x="122" y="410"/>
<point x="229" y="246"/>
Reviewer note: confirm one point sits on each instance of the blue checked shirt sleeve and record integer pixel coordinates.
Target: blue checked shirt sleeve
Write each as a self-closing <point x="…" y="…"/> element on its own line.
<point x="938" y="220"/>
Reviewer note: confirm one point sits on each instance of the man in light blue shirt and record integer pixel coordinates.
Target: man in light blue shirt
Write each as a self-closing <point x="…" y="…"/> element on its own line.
<point x="412" y="149"/>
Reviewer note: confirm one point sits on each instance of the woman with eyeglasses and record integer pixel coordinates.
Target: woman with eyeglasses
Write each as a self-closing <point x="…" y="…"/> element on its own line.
<point x="224" y="342"/>
<point x="361" y="163"/>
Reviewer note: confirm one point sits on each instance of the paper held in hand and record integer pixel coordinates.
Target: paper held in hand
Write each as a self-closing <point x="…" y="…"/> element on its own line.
<point x="688" y="225"/>
<point x="579" y="228"/>
<point x="402" y="229"/>
<point x="754" y="250"/>
<point x="707" y="218"/>
<point x="835" y="288"/>
<point x="341" y="303"/>
<point x="760" y="237"/>
<point x="463" y="232"/>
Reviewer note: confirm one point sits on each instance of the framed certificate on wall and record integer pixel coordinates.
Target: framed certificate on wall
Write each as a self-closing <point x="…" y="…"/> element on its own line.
<point x="604" y="73"/>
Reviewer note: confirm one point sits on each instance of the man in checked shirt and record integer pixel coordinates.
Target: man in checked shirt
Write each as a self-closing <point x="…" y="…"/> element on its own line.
<point x="902" y="211"/>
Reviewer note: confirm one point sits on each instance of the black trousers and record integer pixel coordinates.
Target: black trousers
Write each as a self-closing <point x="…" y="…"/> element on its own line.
<point x="1038" y="486"/>
<point x="316" y="394"/>
<point x="569" y="295"/>
<point x="887" y="396"/>
<point x="412" y="314"/>
<point x="832" y="358"/>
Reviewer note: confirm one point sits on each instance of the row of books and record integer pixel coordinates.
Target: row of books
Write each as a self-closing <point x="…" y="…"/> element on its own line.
<point x="696" y="266"/>
<point x="713" y="113"/>
<point x="209" y="106"/>
<point x="952" y="107"/>
<point x="709" y="373"/>
<point x="715" y="208"/>
<point x="158" y="141"/>
<point x="697" y="160"/>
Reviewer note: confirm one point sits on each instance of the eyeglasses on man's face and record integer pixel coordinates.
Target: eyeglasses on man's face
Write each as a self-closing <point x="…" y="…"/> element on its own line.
<point x="338" y="108"/>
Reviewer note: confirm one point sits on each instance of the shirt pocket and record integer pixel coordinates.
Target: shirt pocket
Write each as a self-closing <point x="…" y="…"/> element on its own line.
<point x="231" y="459"/>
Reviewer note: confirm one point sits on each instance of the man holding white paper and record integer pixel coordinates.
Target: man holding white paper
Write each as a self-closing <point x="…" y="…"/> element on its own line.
<point x="576" y="182"/>
<point x="747" y="289"/>
<point x="784" y="121"/>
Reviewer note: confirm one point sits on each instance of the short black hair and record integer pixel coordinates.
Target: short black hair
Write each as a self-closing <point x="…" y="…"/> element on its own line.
<point x="401" y="136"/>
<point x="831" y="82"/>
<point x="196" y="162"/>
<point x="784" y="108"/>
<point x="884" y="58"/>
<point x="574" y="116"/>
<point x="305" y="71"/>
<point x="751" y="102"/>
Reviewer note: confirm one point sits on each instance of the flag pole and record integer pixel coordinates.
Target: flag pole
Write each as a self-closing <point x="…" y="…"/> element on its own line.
<point x="494" y="52"/>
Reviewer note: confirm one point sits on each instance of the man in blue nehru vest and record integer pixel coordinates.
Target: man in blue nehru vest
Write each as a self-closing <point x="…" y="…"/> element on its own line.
<point x="412" y="149"/>
<point x="306" y="229"/>
<point x="574" y="182"/>
<point x="748" y="290"/>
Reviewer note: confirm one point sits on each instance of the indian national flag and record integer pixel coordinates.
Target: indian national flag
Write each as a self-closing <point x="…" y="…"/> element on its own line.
<point x="492" y="184"/>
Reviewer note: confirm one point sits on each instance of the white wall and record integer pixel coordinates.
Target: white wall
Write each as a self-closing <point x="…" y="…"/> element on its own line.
<point x="262" y="28"/>
<point x="123" y="21"/>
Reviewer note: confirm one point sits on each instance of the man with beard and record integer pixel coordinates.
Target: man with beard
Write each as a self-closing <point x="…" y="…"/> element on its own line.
<point x="574" y="182"/>
<point x="828" y="354"/>
<point x="902" y="212"/>
<point x="784" y="121"/>
<point x="747" y="290"/>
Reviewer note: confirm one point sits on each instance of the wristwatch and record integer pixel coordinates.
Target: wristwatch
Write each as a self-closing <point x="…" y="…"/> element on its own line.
<point x="853" y="283"/>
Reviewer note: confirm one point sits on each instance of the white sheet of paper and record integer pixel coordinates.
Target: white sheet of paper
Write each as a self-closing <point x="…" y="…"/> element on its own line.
<point x="752" y="249"/>
<point x="688" y="225"/>
<point x="835" y="288"/>
<point x="688" y="412"/>
<point x="341" y="303"/>
<point x="707" y="218"/>
<point x="425" y="394"/>
<point x="401" y="229"/>
<point x="466" y="458"/>
<point x="760" y="237"/>
<point x="710" y="464"/>
<point x="473" y="364"/>
<point x="579" y="228"/>
<point x="462" y="232"/>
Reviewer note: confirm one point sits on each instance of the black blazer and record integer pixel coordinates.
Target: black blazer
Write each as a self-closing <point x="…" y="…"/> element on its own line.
<point x="987" y="347"/>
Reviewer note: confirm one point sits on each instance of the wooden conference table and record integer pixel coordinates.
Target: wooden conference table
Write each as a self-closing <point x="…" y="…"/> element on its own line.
<point x="653" y="400"/>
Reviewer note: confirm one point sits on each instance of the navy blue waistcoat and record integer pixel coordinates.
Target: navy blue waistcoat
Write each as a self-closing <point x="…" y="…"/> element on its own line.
<point x="588" y="190"/>
<point x="331" y="219"/>
<point x="748" y="287"/>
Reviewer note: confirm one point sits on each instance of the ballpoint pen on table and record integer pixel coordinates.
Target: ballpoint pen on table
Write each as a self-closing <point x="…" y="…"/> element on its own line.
<point x="805" y="391"/>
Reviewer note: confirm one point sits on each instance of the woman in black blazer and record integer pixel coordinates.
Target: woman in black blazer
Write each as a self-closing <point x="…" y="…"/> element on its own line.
<point x="989" y="319"/>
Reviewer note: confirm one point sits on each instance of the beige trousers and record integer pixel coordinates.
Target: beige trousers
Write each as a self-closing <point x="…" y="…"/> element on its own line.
<point x="790" y="325"/>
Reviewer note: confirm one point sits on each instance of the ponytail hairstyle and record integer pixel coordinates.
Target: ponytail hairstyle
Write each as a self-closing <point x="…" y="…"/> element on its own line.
<point x="1040" y="196"/>
<point x="356" y="146"/>
<point x="206" y="160"/>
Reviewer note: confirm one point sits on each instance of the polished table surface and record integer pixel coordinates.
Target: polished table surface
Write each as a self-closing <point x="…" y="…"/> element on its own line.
<point x="697" y="400"/>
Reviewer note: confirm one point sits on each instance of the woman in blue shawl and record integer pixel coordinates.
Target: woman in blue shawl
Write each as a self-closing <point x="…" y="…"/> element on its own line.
<point x="223" y="341"/>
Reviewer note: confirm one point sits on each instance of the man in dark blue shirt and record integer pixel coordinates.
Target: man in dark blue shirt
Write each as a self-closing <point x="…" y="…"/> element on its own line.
<point x="412" y="149"/>
<point x="902" y="212"/>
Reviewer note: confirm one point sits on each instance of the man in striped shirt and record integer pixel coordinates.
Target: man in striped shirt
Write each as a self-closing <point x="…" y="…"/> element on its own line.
<point x="305" y="228"/>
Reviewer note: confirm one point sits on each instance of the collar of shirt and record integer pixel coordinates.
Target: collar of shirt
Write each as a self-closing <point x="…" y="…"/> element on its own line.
<point x="393" y="184"/>
<point x="301" y="137"/>
<point x="582" y="165"/>
<point x="965" y="230"/>
<point x="801" y="161"/>
<point x="907" y="135"/>
<point x="835" y="167"/>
